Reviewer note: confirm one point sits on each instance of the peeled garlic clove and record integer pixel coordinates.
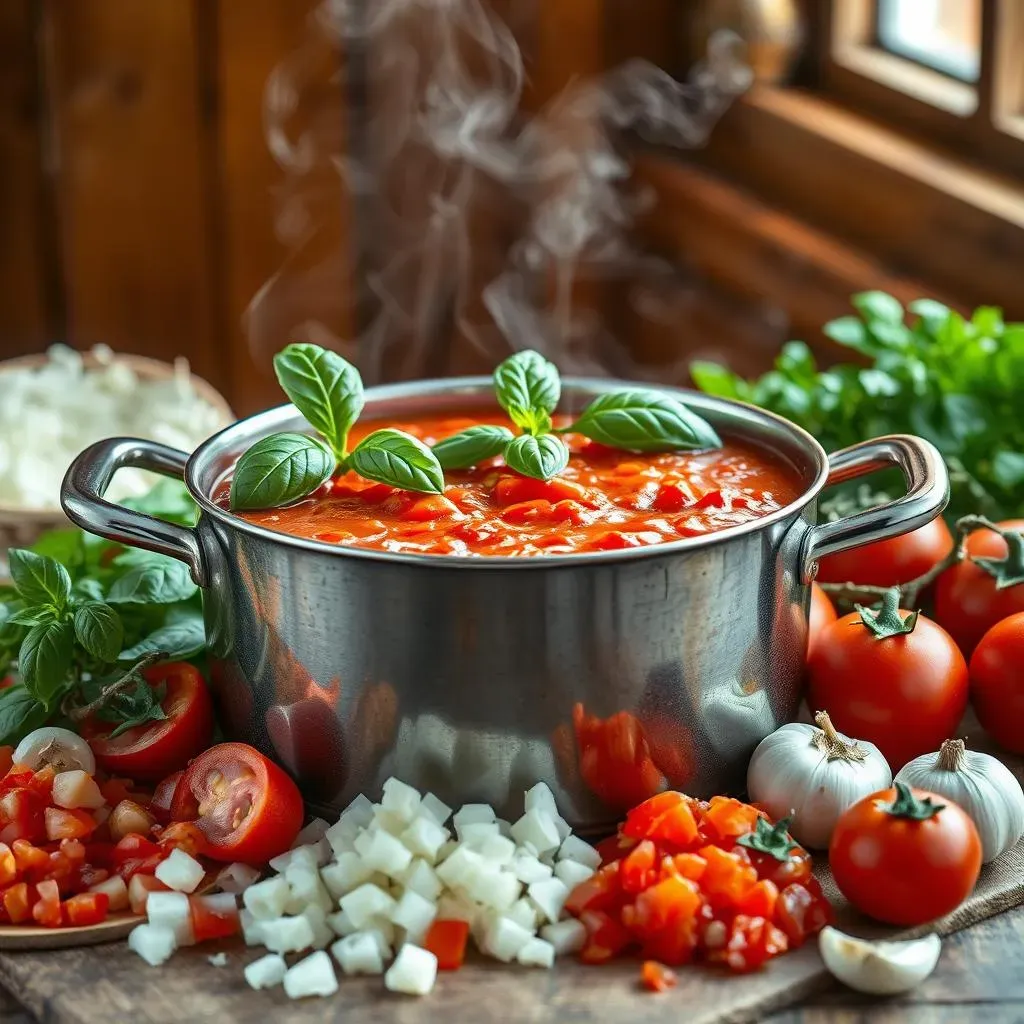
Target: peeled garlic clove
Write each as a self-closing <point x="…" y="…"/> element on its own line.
<point x="879" y="968"/>
<point x="65" y="750"/>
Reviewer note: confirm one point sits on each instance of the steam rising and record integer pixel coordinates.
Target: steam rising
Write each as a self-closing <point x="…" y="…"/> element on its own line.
<point x="474" y="225"/>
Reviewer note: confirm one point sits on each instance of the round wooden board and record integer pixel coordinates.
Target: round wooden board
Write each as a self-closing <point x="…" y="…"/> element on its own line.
<point x="24" y="937"/>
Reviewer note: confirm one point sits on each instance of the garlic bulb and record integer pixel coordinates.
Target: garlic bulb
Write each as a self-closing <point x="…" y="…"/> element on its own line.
<point x="981" y="784"/>
<point x="878" y="968"/>
<point x="813" y="775"/>
<point x="61" y="748"/>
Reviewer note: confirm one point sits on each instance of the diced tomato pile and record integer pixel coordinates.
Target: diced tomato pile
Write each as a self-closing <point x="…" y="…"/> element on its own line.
<point x="71" y="866"/>
<point x="693" y="881"/>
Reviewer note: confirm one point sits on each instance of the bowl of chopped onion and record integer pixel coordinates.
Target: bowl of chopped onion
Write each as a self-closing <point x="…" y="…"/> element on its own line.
<point x="54" y="403"/>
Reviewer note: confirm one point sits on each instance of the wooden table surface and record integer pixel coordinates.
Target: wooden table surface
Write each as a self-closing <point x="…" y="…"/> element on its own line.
<point x="978" y="978"/>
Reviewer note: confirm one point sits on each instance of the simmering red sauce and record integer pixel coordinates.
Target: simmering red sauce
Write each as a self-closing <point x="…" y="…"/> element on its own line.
<point x="604" y="500"/>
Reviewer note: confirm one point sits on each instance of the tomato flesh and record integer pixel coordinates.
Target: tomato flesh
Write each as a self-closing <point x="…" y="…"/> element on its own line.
<point x="680" y="886"/>
<point x="86" y="908"/>
<point x="246" y="807"/>
<point x="210" y="921"/>
<point x="657" y="977"/>
<point x="446" y="939"/>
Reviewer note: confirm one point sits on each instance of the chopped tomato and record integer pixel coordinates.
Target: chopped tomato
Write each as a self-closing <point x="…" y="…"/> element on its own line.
<point x="139" y="889"/>
<point x="800" y="912"/>
<point x="17" y="900"/>
<point x="684" y="865"/>
<point x="210" y="920"/>
<point x="21" y="816"/>
<point x="600" y="891"/>
<point x="116" y="790"/>
<point x="30" y="860"/>
<point x="8" y="866"/>
<point x="657" y="977"/>
<point x="163" y="796"/>
<point x="6" y="756"/>
<point x="638" y="868"/>
<point x="727" y="818"/>
<point x="185" y="836"/>
<point x="47" y="910"/>
<point x="153" y="750"/>
<point x="760" y="900"/>
<point x="614" y="847"/>
<point x="446" y="939"/>
<point x="62" y="823"/>
<point x="666" y="818"/>
<point x="86" y="908"/>
<point x="729" y="876"/>
<point x="136" y="855"/>
<point x="245" y="805"/>
<point x="606" y="938"/>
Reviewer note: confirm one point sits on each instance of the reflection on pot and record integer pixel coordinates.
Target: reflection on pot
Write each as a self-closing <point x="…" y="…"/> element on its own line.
<point x="739" y="716"/>
<point x="624" y="759"/>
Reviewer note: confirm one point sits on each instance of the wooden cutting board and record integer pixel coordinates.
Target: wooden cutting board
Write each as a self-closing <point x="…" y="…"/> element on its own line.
<point x="101" y="984"/>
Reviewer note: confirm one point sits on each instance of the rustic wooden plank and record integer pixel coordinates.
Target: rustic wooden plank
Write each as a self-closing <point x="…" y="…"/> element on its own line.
<point x="254" y="37"/>
<point x="132" y="183"/>
<point x="28" y="298"/>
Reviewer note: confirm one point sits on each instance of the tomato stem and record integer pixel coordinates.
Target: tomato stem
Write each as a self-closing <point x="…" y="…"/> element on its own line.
<point x="887" y="621"/>
<point x="951" y="755"/>
<point x="131" y="678"/>
<point x="832" y="745"/>
<point x="906" y="805"/>
<point x="771" y="839"/>
<point x="1008" y="571"/>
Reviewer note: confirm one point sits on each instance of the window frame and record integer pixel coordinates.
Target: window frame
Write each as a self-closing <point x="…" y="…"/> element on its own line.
<point x="981" y="122"/>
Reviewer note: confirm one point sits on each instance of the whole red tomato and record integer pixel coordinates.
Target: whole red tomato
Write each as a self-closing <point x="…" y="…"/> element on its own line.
<point x="160" y="747"/>
<point x="905" y="693"/>
<point x="968" y="601"/>
<point x="905" y="856"/>
<point x="887" y="563"/>
<point x="245" y="805"/>
<point x="997" y="682"/>
<point x="822" y="614"/>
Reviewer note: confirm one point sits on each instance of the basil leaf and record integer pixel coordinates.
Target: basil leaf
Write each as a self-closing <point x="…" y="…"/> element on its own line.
<point x="154" y="583"/>
<point x="20" y="713"/>
<point x="45" y="657"/>
<point x="64" y="546"/>
<point x="99" y="630"/>
<point x="183" y="638"/>
<point x="528" y="388"/>
<point x="878" y="306"/>
<point x="10" y="632"/>
<point x="393" y="457"/>
<point x="471" y="446"/>
<point x="325" y="388"/>
<point x="34" y="616"/>
<point x="278" y="470"/>
<point x="644" y="421"/>
<point x="89" y="588"/>
<point x="154" y="714"/>
<point x="39" y="579"/>
<point x="166" y="499"/>
<point x="540" y="457"/>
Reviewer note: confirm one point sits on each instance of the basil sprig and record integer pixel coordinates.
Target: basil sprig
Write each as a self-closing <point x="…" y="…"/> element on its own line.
<point x="328" y="391"/>
<point x="528" y="388"/>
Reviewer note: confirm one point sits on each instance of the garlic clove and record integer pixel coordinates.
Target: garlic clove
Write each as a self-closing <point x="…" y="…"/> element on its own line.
<point x="878" y="968"/>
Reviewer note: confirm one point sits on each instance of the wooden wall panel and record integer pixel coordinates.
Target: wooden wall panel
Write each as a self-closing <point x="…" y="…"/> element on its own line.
<point x="30" y="313"/>
<point x="135" y="221"/>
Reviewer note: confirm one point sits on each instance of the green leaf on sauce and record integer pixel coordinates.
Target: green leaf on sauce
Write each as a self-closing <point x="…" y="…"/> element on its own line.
<point x="528" y="388"/>
<point x="278" y="470"/>
<point x="399" y="459"/>
<point x="472" y="446"/>
<point x="645" y="421"/>
<point x="325" y="388"/>
<point x="538" y="457"/>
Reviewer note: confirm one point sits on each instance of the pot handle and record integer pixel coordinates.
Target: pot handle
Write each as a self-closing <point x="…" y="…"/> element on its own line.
<point x="81" y="497"/>
<point x="927" y="494"/>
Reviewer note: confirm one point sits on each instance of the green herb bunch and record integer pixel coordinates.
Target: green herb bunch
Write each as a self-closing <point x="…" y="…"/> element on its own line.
<point x="328" y="391"/>
<point x="83" y="614"/>
<point x="528" y="388"/>
<point x="954" y="381"/>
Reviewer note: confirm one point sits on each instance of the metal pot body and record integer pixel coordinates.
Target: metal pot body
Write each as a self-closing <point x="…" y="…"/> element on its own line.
<point x="607" y="676"/>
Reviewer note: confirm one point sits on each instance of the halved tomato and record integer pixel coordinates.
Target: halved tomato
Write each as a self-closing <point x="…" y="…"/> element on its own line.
<point x="156" y="749"/>
<point x="246" y="806"/>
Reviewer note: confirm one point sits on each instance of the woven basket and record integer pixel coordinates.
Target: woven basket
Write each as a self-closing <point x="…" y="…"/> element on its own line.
<point x="21" y="527"/>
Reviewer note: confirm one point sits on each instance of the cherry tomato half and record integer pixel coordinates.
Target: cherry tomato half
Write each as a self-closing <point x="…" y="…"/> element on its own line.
<point x="904" y="693"/>
<point x="901" y="869"/>
<point x="158" y="748"/>
<point x="997" y="684"/>
<point x="887" y="563"/>
<point x="967" y="600"/>
<point x="246" y="806"/>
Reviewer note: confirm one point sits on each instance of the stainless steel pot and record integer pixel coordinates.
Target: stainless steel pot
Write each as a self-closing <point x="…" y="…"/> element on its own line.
<point x="599" y="673"/>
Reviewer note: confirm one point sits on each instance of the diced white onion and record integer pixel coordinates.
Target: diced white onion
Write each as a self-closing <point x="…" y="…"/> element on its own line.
<point x="180" y="872"/>
<point x="266" y="972"/>
<point x="170" y="910"/>
<point x="359" y="953"/>
<point x="313" y="976"/>
<point x="154" y="943"/>
<point x="413" y="972"/>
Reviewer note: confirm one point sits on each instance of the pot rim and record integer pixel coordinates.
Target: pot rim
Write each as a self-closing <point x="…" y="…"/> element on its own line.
<point x="463" y="386"/>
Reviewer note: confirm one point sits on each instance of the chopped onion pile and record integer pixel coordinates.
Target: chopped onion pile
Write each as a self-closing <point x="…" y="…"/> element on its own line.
<point x="371" y="887"/>
<point x="50" y="414"/>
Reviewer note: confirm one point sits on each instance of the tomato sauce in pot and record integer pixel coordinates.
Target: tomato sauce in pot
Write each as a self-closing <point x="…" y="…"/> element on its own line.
<point x="604" y="500"/>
